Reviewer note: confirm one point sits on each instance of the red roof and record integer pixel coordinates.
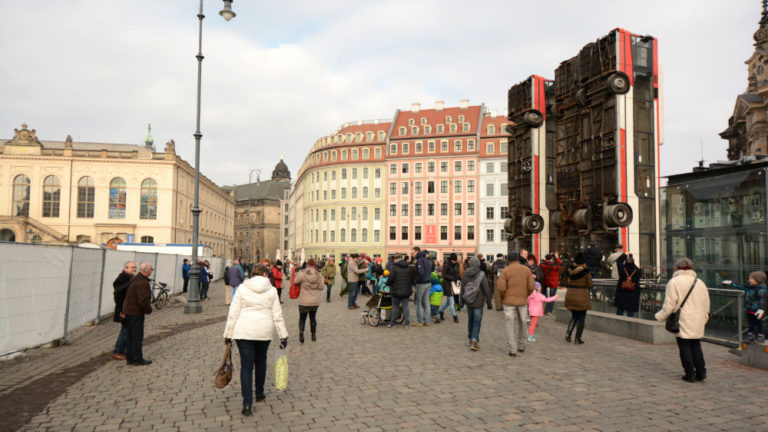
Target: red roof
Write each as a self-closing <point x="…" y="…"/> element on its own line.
<point x="434" y="117"/>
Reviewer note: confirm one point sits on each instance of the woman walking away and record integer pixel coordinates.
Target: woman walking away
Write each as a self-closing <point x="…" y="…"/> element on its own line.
<point x="253" y="317"/>
<point x="536" y="308"/>
<point x="577" y="296"/>
<point x="277" y="276"/>
<point x="311" y="283"/>
<point x="329" y="277"/>
<point x="474" y="292"/>
<point x="693" y="316"/>
<point x="450" y="286"/>
<point x="627" y="295"/>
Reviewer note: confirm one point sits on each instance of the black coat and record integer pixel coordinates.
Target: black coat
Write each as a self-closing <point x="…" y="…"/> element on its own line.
<point x="450" y="274"/>
<point x="594" y="257"/>
<point x="120" y="285"/>
<point x="627" y="300"/>
<point x="401" y="279"/>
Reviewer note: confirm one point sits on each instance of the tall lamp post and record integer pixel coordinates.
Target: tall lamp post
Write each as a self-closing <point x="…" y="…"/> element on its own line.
<point x="250" y="173"/>
<point x="193" y="303"/>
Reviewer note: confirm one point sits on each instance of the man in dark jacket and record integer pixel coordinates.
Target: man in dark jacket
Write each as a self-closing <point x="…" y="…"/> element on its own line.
<point x="400" y="283"/>
<point x="423" y="284"/>
<point x="450" y="279"/>
<point x="138" y="302"/>
<point x="474" y="279"/>
<point x="594" y="258"/>
<point x="120" y="285"/>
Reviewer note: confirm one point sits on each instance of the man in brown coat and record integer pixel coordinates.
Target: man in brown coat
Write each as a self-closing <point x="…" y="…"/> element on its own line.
<point x="138" y="302"/>
<point x="515" y="284"/>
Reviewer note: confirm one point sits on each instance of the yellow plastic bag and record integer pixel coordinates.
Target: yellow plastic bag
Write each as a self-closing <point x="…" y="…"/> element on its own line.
<point x="281" y="371"/>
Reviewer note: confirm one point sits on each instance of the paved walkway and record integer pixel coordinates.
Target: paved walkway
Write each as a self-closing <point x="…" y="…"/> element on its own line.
<point x="359" y="378"/>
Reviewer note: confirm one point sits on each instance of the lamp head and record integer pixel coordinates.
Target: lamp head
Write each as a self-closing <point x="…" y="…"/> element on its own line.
<point x="227" y="13"/>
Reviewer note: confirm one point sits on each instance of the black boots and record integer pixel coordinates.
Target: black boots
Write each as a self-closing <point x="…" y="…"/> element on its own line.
<point x="579" y="331"/>
<point x="571" y="325"/>
<point x="301" y="337"/>
<point x="456" y="319"/>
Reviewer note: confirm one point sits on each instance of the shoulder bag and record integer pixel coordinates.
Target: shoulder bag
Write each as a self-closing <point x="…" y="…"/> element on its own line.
<point x="224" y="372"/>
<point x="673" y="320"/>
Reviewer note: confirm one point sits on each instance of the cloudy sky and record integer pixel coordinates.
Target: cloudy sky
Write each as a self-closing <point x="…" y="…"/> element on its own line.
<point x="282" y="74"/>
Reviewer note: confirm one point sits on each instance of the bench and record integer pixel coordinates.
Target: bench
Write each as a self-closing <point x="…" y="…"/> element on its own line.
<point x="652" y="332"/>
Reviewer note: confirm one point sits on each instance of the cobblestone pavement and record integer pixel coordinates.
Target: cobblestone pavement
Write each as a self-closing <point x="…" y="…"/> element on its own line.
<point x="360" y="378"/>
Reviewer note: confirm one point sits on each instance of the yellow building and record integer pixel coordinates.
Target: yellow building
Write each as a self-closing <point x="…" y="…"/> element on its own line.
<point x="73" y="192"/>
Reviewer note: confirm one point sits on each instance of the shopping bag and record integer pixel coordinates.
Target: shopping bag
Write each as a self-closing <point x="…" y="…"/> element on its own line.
<point x="281" y="371"/>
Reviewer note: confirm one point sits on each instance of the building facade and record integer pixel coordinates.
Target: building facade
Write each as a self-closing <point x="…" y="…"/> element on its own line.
<point x="492" y="170"/>
<point x="73" y="192"/>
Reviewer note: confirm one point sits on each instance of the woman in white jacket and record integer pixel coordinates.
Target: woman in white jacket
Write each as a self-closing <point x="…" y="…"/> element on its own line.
<point x="254" y="315"/>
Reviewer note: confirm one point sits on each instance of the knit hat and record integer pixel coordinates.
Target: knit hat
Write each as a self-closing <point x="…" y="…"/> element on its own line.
<point x="758" y="276"/>
<point x="474" y="262"/>
<point x="279" y="263"/>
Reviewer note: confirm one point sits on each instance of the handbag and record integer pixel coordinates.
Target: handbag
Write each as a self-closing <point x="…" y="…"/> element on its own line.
<point x="224" y="372"/>
<point x="673" y="320"/>
<point x="628" y="285"/>
<point x="295" y="289"/>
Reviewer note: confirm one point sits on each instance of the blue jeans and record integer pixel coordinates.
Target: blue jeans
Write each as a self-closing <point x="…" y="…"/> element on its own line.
<point x="549" y="292"/>
<point x="474" y="320"/>
<point x="448" y="304"/>
<point x="397" y="303"/>
<point x="253" y="353"/>
<point x="435" y="310"/>
<point x="422" y="302"/>
<point x="122" y="339"/>
<point x="620" y="311"/>
<point x="204" y="290"/>
<point x="328" y="295"/>
<point x="232" y="291"/>
<point x="354" y="288"/>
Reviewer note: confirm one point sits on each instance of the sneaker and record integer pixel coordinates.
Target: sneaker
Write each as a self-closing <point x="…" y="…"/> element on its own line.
<point x="456" y="319"/>
<point x="418" y="324"/>
<point x="531" y="338"/>
<point x="473" y="346"/>
<point x="760" y="338"/>
<point x="247" y="411"/>
<point x="750" y="337"/>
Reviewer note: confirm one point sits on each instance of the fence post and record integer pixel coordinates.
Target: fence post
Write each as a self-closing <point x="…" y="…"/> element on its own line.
<point x="101" y="285"/>
<point x="69" y="294"/>
<point x="741" y="308"/>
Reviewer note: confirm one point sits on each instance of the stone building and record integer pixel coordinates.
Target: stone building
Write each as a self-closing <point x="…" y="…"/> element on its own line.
<point x="75" y="192"/>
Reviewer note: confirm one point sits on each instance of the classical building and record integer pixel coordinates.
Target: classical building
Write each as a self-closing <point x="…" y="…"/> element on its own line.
<point x="747" y="131"/>
<point x="259" y="215"/>
<point x="492" y="170"/>
<point x="74" y="192"/>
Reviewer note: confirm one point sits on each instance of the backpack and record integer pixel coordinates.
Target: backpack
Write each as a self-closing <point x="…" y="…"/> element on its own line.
<point x="499" y="267"/>
<point x="471" y="290"/>
<point x="628" y="285"/>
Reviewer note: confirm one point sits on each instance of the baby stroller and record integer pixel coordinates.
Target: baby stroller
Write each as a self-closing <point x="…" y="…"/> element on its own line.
<point x="379" y="309"/>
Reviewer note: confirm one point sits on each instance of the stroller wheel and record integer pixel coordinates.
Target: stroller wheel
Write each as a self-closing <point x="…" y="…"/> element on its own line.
<point x="364" y="316"/>
<point x="374" y="317"/>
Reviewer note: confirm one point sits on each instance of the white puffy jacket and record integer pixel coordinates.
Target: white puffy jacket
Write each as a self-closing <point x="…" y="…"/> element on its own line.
<point x="255" y="312"/>
<point x="695" y="313"/>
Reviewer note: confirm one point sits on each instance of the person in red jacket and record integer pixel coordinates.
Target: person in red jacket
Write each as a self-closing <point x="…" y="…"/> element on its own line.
<point x="277" y="274"/>
<point x="550" y="270"/>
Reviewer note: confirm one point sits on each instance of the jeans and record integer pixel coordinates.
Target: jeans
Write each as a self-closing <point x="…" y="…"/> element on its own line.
<point x="253" y="353"/>
<point x="232" y="291"/>
<point x="204" y="290"/>
<point x="692" y="358"/>
<point x="620" y="311"/>
<point x="434" y="310"/>
<point x="328" y="295"/>
<point x="397" y="303"/>
<point x="354" y="289"/>
<point x="122" y="339"/>
<point x="186" y="283"/>
<point x="755" y="325"/>
<point x="448" y="304"/>
<point x="134" y="339"/>
<point x="422" y="302"/>
<point x="549" y="292"/>
<point x="474" y="320"/>
<point x="517" y="330"/>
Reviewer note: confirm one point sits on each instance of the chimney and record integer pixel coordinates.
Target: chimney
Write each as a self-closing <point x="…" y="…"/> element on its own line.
<point x="463" y="103"/>
<point x="439" y="105"/>
<point x="415" y="107"/>
<point x="493" y="113"/>
<point x="359" y="122"/>
<point x="377" y="121"/>
<point x="506" y="113"/>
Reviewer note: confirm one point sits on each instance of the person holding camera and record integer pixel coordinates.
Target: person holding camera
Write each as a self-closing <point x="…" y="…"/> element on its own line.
<point x="627" y="296"/>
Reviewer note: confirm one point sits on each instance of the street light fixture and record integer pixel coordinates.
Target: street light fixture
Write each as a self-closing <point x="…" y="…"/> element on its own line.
<point x="193" y="303"/>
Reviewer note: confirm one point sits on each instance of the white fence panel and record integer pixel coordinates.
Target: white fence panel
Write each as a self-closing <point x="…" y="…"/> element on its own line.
<point x="33" y="294"/>
<point x="145" y="257"/>
<point x="113" y="266"/>
<point x="85" y="287"/>
<point x="166" y="271"/>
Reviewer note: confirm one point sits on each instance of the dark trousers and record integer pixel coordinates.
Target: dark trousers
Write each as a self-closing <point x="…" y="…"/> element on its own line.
<point x="204" y="290"/>
<point x="755" y="325"/>
<point x="579" y="316"/>
<point x="691" y="357"/>
<point x="303" y="312"/>
<point x="133" y="350"/>
<point x="280" y="294"/>
<point x="253" y="355"/>
<point x="328" y="295"/>
<point x="186" y="283"/>
<point x="549" y="292"/>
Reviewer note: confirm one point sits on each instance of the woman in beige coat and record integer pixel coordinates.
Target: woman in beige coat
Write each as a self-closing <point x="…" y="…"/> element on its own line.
<point x="693" y="317"/>
<point x="311" y="283"/>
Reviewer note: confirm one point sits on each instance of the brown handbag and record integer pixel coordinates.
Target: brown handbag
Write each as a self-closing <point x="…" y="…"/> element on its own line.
<point x="224" y="372"/>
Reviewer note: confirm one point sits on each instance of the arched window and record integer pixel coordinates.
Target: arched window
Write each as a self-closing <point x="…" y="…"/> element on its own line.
<point x="147" y="239"/>
<point x="354" y="192"/>
<point x="491" y="129"/>
<point x="343" y="214"/>
<point x="353" y="235"/>
<point x="148" y="200"/>
<point x="86" y="194"/>
<point x="117" y="198"/>
<point x="354" y="213"/>
<point x="365" y="235"/>
<point x="21" y="195"/>
<point x="51" y="196"/>
<point x="343" y="238"/>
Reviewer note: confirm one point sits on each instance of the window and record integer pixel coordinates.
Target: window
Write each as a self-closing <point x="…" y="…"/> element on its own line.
<point x="365" y="172"/>
<point x="504" y="167"/>
<point x="86" y="193"/>
<point x="367" y="152"/>
<point x="457" y="209"/>
<point x="417" y="187"/>
<point x="470" y="209"/>
<point x="393" y="148"/>
<point x="457" y="186"/>
<point x="353" y="235"/>
<point x="405" y="168"/>
<point x="457" y="166"/>
<point x="325" y="195"/>
<point x="470" y="165"/>
<point x="21" y="185"/>
<point x="376" y="236"/>
<point x="333" y="214"/>
<point x="148" y="199"/>
<point x="489" y="235"/>
<point x="443" y="186"/>
<point x="404" y="233"/>
<point x="489" y="213"/>
<point x="453" y="127"/>
<point x="417" y="209"/>
<point x="470" y="186"/>
<point x="443" y="233"/>
<point x="343" y="214"/>
<point x="343" y="193"/>
<point x="333" y="175"/>
<point x="353" y="212"/>
<point x="430" y="167"/>
<point x="470" y="232"/>
<point x="489" y="167"/>
<point x="406" y="148"/>
<point x="117" y="198"/>
<point x="365" y="213"/>
<point x="440" y="128"/>
<point x="325" y="215"/>
<point x="417" y="167"/>
<point x="393" y="168"/>
<point x="147" y="239"/>
<point x="333" y="155"/>
<point x="443" y="166"/>
<point x="354" y="154"/>
<point x="333" y="194"/>
<point x="325" y="236"/>
<point x="443" y="209"/>
<point x="404" y="209"/>
<point x="471" y="145"/>
<point x="377" y="213"/>
<point x="325" y="175"/>
<point x="457" y="147"/>
<point x="503" y="189"/>
<point x="393" y="233"/>
<point x="365" y="191"/>
<point x="461" y="118"/>
<point x="489" y="189"/>
<point x="377" y="192"/>
<point x="377" y="152"/>
<point x="333" y="236"/>
<point x="444" y="146"/>
<point x="414" y="130"/>
<point x="457" y="232"/>
<point x="430" y="187"/>
<point x="51" y="196"/>
<point x="377" y="173"/>
<point x="431" y="145"/>
<point x="503" y="147"/>
<point x="430" y="209"/>
<point x="393" y="188"/>
<point x="343" y="235"/>
<point x="343" y="173"/>
<point x="365" y="235"/>
<point x="489" y="148"/>
<point x="354" y="173"/>
<point x="419" y="147"/>
<point x="417" y="233"/>
<point x="405" y="188"/>
<point x="343" y="156"/>
<point x="393" y="209"/>
<point x="354" y="192"/>
<point x="465" y="127"/>
<point x="427" y="129"/>
<point x="503" y="212"/>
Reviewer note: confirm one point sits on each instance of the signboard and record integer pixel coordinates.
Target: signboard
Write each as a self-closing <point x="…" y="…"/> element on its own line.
<point x="430" y="234"/>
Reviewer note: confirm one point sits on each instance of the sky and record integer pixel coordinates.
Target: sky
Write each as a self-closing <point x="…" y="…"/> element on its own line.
<point x="281" y="75"/>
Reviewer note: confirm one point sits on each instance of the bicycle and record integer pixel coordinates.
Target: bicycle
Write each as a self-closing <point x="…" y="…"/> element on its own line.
<point x="160" y="294"/>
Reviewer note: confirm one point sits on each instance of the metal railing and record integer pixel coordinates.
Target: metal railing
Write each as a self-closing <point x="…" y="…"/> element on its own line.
<point x="725" y="325"/>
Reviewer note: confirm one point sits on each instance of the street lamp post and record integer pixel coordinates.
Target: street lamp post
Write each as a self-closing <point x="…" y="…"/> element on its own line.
<point x="250" y="173"/>
<point x="193" y="303"/>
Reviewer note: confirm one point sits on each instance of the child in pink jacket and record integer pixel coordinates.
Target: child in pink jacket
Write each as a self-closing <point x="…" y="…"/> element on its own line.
<point x="536" y="308"/>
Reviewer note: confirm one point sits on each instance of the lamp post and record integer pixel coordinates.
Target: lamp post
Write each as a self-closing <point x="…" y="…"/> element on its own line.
<point x="193" y="303"/>
<point x="250" y="173"/>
